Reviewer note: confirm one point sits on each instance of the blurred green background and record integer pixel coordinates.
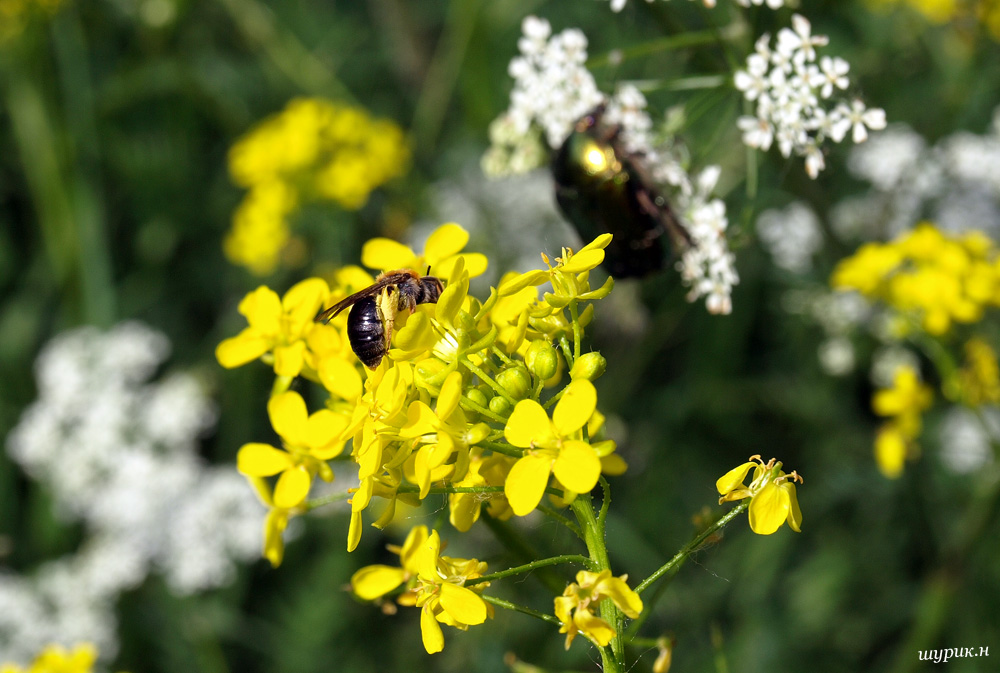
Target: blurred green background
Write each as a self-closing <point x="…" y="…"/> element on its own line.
<point x="115" y="122"/>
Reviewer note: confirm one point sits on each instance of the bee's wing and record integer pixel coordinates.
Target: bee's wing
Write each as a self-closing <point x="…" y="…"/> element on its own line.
<point x="369" y="291"/>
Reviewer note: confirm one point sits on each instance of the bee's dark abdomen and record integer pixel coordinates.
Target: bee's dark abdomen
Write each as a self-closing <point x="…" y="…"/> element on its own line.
<point x="366" y="332"/>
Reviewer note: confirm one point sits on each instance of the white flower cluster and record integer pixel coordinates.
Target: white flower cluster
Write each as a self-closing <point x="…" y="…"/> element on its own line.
<point x="792" y="236"/>
<point x="955" y="183"/>
<point x="794" y="97"/>
<point x="618" y="5"/>
<point x="120" y="455"/>
<point x="552" y="90"/>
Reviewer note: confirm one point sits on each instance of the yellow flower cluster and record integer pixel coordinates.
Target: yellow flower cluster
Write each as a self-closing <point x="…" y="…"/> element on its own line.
<point x="14" y="14"/>
<point x="930" y="278"/>
<point x="457" y="401"/>
<point x="57" y="659"/>
<point x="575" y="608"/>
<point x="772" y="494"/>
<point x="903" y="404"/>
<point x="313" y="150"/>
<point x="433" y="583"/>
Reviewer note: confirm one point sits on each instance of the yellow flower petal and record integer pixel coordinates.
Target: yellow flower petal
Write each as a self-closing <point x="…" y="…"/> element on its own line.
<point x="451" y="393"/>
<point x="528" y="423"/>
<point x="261" y="460"/>
<point x="526" y="483"/>
<point x="595" y="627"/>
<point x="577" y="467"/>
<point x="451" y="301"/>
<point x="245" y="347"/>
<point x="617" y="590"/>
<point x="292" y="487"/>
<point x="274" y="526"/>
<point x="354" y="531"/>
<point x="370" y="582"/>
<point x="575" y="407"/>
<point x="768" y="509"/>
<point x="304" y="299"/>
<point x="462" y="604"/>
<point x="341" y="378"/>
<point x="321" y="432"/>
<point x="794" y="513"/>
<point x="517" y="283"/>
<point x="890" y="451"/>
<point x="288" y="415"/>
<point x="288" y="360"/>
<point x="430" y="631"/>
<point x="447" y="240"/>
<point x="386" y="254"/>
<point x="262" y="309"/>
<point x="599" y="243"/>
<point x="733" y="479"/>
<point x="584" y="260"/>
<point x="420" y="420"/>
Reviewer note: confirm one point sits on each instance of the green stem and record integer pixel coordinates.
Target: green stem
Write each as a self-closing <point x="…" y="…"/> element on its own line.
<point x="574" y="315"/>
<point x="528" y="567"/>
<point x="693" y="83"/>
<point x="469" y="405"/>
<point x="669" y="43"/>
<point x="442" y="75"/>
<point x="605" y="503"/>
<point x="696" y="542"/>
<point x="613" y="658"/>
<point x="567" y="353"/>
<point x="500" y="603"/>
<point x="522" y="549"/>
<point x="488" y="380"/>
<point x="505" y="449"/>
<point x="323" y="500"/>
<point x="559" y="518"/>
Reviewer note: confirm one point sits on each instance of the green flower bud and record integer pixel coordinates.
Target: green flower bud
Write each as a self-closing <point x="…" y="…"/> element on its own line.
<point x="475" y="395"/>
<point x="477" y="433"/>
<point x="542" y="359"/>
<point x="516" y="381"/>
<point x="499" y="406"/>
<point x="588" y="366"/>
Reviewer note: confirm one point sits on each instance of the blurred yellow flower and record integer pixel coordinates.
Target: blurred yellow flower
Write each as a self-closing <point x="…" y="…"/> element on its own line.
<point x="933" y="278"/>
<point x="903" y="404"/>
<point x="314" y="150"/>
<point x="57" y="659"/>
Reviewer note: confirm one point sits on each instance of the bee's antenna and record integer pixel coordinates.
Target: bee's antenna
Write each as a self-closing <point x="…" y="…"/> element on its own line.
<point x="428" y="270"/>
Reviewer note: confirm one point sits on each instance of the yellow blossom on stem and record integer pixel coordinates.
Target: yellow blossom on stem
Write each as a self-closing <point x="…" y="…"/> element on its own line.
<point x="575" y="608"/>
<point x="442" y="251"/>
<point x="553" y="446"/>
<point x="903" y="404"/>
<point x="278" y="327"/>
<point x="772" y="493"/>
<point x="308" y="440"/>
<point x="434" y="583"/>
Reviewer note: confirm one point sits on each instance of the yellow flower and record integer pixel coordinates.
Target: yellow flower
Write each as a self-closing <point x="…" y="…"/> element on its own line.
<point x="275" y="522"/>
<point x="57" y="659"/>
<point x="569" y="277"/>
<point x="932" y="278"/>
<point x="276" y="326"/>
<point x="553" y="446"/>
<point x="575" y="607"/>
<point x="309" y="441"/>
<point x="465" y="507"/>
<point x="442" y="251"/>
<point x="435" y="584"/>
<point x="772" y="493"/>
<point x="314" y="150"/>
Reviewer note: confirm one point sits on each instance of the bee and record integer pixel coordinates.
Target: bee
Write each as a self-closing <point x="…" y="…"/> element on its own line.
<point x="374" y="309"/>
<point x="603" y="188"/>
